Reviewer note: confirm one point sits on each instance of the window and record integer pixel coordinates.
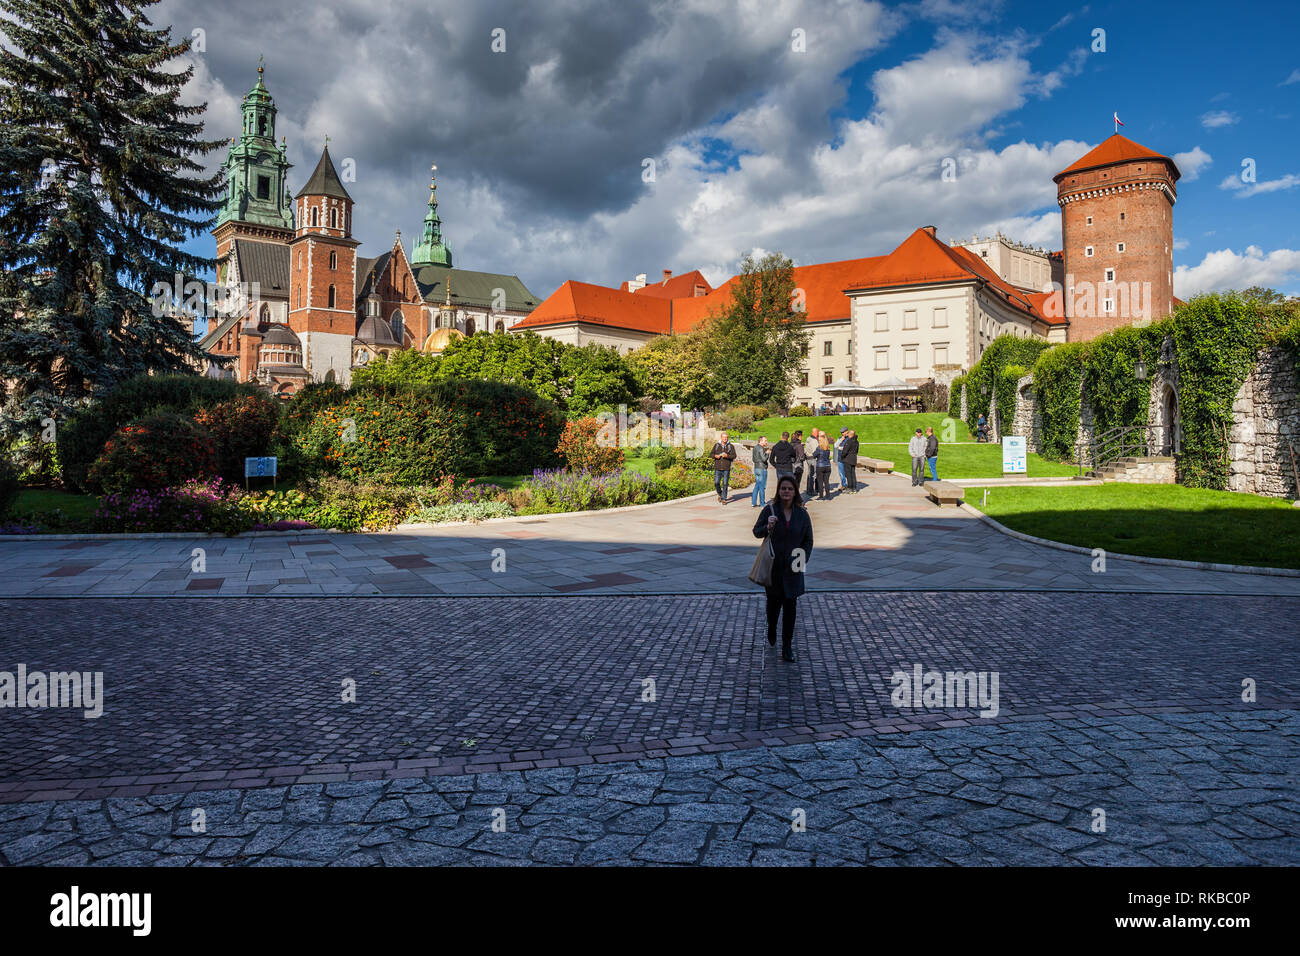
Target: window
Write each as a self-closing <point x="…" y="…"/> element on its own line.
<point x="1108" y="306"/>
<point x="299" y="258"/>
<point x="1110" y="275"/>
<point x="263" y="187"/>
<point x="882" y="359"/>
<point x="1119" y="247"/>
<point x="1121" y="215"/>
<point x="399" y="326"/>
<point x="940" y="318"/>
<point x="1088" y="221"/>
<point x="803" y="379"/>
<point x="850" y="347"/>
<point x="300" y="298"/>
<point x="315" y="217"/>
<point x="261" y="126"/>
<point x="882" y="321"/>
<point x="501" y="327"/>
<point x="909" y="356"/>
<point x="1087" y="251"/>
<point x="334" y="218"/>
<point x="331" y="298"/>
<point x="334" y="260"/>
<point x="826" y="377"/>
<point x="909" y="318"/>
<point x="826" y="348"/>
<point x="941" y="355"/>
<point x="984" y="253"/>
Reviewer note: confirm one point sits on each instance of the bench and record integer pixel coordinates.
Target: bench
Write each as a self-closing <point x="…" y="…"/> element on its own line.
<point x="876" y="465"/>
<point x="942" y="493"/>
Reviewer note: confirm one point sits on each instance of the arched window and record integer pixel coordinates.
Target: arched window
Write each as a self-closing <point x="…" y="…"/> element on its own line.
<point x="469" y="325"/>
<point x="334" y="260"/>
<point x="399" y="326"/>
<point x="334" y="218"/>
<point x="331" y="299"/>
<point x="315" y="216"/>
<point x="500" y="326"/>
<point x="266" y="314"/>
<point x="329" y="376"/>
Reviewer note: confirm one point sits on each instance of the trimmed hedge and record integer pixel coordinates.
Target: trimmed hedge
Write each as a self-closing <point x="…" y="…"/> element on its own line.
<point x="465" y="427"/>
<point x="81" y="439"/>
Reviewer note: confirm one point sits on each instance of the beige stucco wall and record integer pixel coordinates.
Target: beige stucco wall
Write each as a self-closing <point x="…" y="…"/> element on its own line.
<point x="580" y="334"/>
<point x="911" y="352"/>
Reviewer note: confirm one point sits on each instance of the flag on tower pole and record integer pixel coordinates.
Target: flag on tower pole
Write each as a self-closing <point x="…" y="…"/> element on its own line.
<point x="1118" y="122"/>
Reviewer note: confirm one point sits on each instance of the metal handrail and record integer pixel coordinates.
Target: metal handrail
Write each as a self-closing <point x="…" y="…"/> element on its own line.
<point x="1125" y="440"/>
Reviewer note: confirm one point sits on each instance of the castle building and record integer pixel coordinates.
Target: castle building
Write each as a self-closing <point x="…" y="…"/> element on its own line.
<point x="315" y="310"/>
<point x="929" y="309"/>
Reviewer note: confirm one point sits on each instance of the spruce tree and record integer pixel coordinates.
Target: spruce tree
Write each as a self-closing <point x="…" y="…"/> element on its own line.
<point x="99" y="188"/>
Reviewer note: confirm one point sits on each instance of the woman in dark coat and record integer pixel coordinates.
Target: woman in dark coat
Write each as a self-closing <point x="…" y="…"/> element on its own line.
<point x="785" y="521"/>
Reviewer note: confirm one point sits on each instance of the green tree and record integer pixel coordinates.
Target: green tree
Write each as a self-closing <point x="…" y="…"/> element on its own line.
<point x="755" y="346"/>
<point x="99" y="190"/>
<point x="672" y="369"/>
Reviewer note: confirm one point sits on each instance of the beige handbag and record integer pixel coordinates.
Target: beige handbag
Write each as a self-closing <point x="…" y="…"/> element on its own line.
<point x="761" y="572"/>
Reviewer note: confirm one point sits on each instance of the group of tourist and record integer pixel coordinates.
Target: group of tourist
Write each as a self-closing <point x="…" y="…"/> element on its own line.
<point x="814" y="457"/>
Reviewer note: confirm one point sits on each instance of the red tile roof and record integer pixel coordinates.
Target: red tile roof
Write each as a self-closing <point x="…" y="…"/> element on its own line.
<point x="921" y="259"/>
<point x="1113" y="150"/>
<point x="598" y="305"/>
<point x="678" y="287"/>
<point x="1049" y="306"/>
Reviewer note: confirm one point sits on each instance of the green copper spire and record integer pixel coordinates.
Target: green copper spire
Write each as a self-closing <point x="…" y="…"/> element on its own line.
<point x="256" y="184"/>
<point x="432" y="249"/>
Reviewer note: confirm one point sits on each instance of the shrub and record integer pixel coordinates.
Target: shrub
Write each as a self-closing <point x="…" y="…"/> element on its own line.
<point x="158" y="451"/>
<point x="8" y="485"/>
<point x="557" y="490"/>
<point x="240" y="428"/>
<point x="463" y="511"/>
<point x="465" y="427"/>
<point x="934" y="397"/>
<point x="986" y="376"/>
<point x="81" y="439"/>
<point x="739" y="420"/>
<point x="276" y="506"/>
<point x="581" y="448"/>
<point x="800" y="411"/>
<point x="196" y="505"/>
<point x="369" y="505"/>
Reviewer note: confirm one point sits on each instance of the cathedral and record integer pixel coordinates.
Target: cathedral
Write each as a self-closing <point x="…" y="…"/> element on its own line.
<point x="316" y="310"/>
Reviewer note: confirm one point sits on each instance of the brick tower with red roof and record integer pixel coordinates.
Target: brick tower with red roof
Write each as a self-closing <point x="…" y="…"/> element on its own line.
<point x="322" y="274"/>
<point x="1117" y="230"/>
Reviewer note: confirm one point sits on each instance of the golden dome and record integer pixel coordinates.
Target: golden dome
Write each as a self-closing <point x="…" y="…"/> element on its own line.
<point x="439" y="339"/>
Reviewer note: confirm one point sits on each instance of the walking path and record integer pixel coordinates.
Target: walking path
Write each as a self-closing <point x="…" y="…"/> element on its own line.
<point x="532" y="714"/>
<point x="889" y="537"/>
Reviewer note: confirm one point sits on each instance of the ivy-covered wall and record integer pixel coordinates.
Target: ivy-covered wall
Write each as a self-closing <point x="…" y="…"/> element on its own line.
<point x="1206" y="349"/>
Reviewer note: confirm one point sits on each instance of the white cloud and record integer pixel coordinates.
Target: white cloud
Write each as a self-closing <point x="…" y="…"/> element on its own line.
<point x="1246" y="190"/>
<point x="1192" y="162"/>
<point x="1225" y="269"/>
<point x="1216" y="118"/>
<point x="1180" y="244"/>
<point x="1293" y="78"/>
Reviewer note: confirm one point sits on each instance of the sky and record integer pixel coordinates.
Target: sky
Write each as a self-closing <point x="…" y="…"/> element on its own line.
<point x="594" y="141"/>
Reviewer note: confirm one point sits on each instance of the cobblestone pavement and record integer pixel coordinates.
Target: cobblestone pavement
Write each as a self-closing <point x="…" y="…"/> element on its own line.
<point x="889" y="537"/>
<point x="1180" y="789"/>
<point x="250" y="692"/>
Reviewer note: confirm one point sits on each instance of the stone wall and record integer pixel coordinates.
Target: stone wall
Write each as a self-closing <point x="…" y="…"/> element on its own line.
<point x="1028" y="418"/>
<point x="1265" y="427"/>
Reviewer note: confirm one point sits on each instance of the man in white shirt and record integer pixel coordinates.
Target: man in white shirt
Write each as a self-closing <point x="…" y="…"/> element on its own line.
<point x="916" y="448"/>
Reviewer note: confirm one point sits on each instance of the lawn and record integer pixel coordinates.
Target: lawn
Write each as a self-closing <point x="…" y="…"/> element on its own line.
<point x="870" y="428"/>
<point x="1160" y="521"/>
<point x="48" y="499"/>
<point x="969" y="460"/>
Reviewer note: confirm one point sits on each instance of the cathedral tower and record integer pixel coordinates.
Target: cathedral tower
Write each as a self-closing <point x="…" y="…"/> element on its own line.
<point x="323" y="274"/>
<point x="432" y="249"/>
<point x="257" y="205"/>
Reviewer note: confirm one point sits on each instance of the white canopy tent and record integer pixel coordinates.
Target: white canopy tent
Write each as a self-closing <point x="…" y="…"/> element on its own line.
<point x="843" y="389"/>
<point x="892" y="386"/>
